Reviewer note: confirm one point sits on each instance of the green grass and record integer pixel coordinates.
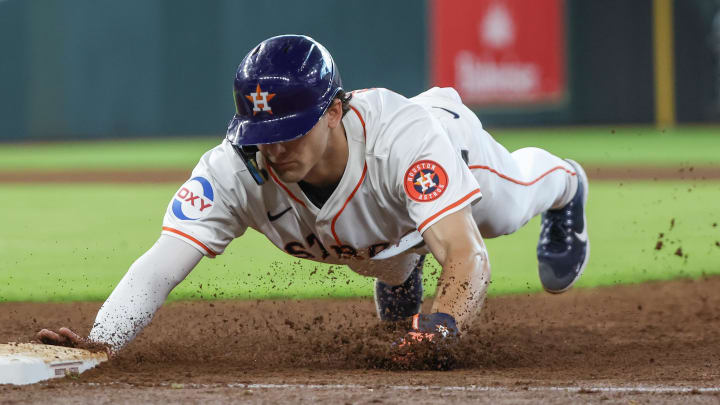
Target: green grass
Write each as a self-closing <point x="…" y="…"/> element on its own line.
<point x="75" y="242"/>
<point x="182" y="153"/>
<point x="592" y="146"/>
<point x="622" y="145"/>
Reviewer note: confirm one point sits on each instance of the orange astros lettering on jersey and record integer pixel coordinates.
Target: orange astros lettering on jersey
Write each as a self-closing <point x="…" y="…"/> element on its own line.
<point x="425" y="180"/>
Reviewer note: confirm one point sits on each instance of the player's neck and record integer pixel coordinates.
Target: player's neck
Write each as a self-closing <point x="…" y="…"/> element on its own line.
<point x="331" y="166"/>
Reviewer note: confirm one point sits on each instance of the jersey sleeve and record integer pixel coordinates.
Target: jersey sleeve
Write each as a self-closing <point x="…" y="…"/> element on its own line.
<point x="206" y="211"/>
<point x="431" y="176"/>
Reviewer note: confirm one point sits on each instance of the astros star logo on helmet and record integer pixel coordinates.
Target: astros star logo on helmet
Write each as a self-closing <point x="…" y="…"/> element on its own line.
<point x="260" y="100"/>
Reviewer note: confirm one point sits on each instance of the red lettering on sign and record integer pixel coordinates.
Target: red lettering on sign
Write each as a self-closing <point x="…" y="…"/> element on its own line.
<point x="500" y="52"/>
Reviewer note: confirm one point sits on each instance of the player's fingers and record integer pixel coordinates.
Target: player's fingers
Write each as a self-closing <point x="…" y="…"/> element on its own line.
<point x="49" y="337"/>
<point x="71" y="338"/>
<point x="415" y="337"/>
<point x="70" y="335"/>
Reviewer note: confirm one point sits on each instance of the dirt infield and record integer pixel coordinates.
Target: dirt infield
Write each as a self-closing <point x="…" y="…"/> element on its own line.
<point x="178" y="176"/>
<point x="657" y="342"/>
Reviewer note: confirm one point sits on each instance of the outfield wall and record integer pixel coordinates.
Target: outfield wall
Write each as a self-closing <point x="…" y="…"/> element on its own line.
<point x="101" y="69"/>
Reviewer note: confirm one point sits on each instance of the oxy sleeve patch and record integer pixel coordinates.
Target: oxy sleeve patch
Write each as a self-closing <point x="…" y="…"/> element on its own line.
<point x="425" y="180"/>
<point x="194" y="200"/>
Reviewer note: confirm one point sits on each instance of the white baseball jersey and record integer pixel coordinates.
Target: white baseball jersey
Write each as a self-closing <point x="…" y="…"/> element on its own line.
<point x="411" y="162"/>
<point x="403" y="174"/>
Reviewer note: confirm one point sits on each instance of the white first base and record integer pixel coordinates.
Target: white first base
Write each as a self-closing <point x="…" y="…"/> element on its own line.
<point x="28" y="363"/>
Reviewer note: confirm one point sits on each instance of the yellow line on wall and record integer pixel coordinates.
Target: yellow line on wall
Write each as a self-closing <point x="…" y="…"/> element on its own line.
<point x="664" y="63"/>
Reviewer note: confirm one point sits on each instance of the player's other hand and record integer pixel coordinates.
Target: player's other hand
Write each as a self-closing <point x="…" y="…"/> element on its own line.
<point x="434" y="327"/>
<point x="429" y="344"/>
<point x="68" y="338"/>
<point x="63" y="337"/>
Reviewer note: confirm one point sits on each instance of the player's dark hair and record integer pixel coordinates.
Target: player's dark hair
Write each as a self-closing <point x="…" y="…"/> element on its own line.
<point x="345" y="100"/>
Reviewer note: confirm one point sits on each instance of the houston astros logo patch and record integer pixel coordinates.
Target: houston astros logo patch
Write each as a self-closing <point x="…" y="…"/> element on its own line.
<point x="260" y="100"/>
<point x="425" y="180"/>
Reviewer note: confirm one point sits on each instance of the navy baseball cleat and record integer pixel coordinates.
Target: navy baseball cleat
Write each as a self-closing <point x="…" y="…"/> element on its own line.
<point x="564" y="249"/>
<point x="395" y="303"/>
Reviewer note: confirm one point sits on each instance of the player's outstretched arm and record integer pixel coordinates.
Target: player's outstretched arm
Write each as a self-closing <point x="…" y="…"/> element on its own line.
<point x="456" y="243"/>
<point x="137" y="297"/>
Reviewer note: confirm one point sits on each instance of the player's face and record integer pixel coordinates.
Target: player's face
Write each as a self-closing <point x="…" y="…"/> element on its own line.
<point x="292" y="161"/>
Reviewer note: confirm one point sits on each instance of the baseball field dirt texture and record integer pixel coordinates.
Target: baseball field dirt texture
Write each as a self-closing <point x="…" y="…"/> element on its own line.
<point x="647" y="332"/>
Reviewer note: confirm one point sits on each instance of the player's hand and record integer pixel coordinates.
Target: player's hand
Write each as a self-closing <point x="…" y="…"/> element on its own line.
<point x="428" y="344"/>
<point x="68" y="338"/>
<point x="431" y="328"/>
<point x="63" y="337"/>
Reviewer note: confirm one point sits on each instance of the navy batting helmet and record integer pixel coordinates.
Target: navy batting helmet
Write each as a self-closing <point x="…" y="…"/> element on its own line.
<point x="282" y="88"/>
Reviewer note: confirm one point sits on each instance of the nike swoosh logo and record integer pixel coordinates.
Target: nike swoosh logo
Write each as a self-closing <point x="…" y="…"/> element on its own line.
<point x="272" y="217"/>
<point x="454" y="114"/>
<point x="582" y="237"/>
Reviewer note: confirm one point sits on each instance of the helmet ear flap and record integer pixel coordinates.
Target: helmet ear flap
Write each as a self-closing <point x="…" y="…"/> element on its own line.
<point x="248" y="155"/>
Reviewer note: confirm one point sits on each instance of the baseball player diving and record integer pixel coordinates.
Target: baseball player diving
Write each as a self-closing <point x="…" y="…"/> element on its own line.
<point x="368" y="179"/>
